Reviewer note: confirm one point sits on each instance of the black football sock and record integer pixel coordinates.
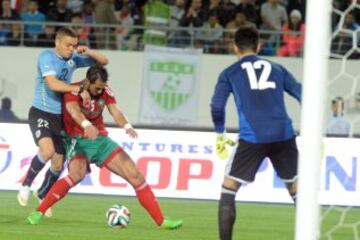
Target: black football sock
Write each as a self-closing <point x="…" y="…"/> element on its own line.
<point x="227" y="213"/>
<point x="37" y="163"/>
<point x="51" y="177"/>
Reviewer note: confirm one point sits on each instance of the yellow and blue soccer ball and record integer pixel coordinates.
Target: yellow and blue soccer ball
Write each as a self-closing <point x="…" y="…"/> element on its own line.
<point x="118" y="216"/>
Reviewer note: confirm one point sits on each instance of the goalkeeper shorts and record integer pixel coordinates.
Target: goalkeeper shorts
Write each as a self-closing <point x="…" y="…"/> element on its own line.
<point x="248" y="157"/>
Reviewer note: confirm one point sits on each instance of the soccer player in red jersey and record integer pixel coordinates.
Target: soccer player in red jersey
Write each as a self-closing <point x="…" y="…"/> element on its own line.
<point x="87" y="142"/>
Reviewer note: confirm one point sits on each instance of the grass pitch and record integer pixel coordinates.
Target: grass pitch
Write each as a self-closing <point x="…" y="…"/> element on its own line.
<point x="79" y="217"/>
<point x="82" y="217"/>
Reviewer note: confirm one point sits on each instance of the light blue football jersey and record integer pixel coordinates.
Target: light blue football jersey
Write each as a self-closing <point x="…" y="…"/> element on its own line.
<point x="50" y="63"/>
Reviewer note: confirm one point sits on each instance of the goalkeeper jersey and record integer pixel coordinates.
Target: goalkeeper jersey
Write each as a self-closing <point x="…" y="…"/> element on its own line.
<point x="258" y="87"/>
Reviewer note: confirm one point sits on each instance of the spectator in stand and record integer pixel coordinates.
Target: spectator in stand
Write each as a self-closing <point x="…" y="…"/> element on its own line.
<point x="194" y="17"/>
<point x="88" y="15"/>
<point x="47" y="38"/>
<point x="59" y="13"/>
<point x="239" y="21"/>
<point x="88" y="12"/>
<point x="176" y="12"/>
<point x="33" y="15"/>
<point x="124" y="37"/>
<point x="7" y="14"/>
<point x="137" y="14"/>
<point x="134" y="9"/>
<point x="17" y="5"/>
<point x="75" y="6"/>
<point x="157" y="17"/>
<point x="338" y="123"/>
<point x="227" y="12"/>
<point x="213" y="6"/>
<point x="6" y="114"/>
<point x="14" y="37"/>
<point x="297" y="4"/>
<point x="293" y="36"/>
<point x="45" y="5"/>
<point x="266" y="48"/>
<point x="81" y="31"/>
<point x="344" y="40"/>
<point x="105" y="14"/>
<point x="248" y="9"/>
<point x="350" y="22"/>
<point x="273" y="16"/>
<point x="210" y="34"/>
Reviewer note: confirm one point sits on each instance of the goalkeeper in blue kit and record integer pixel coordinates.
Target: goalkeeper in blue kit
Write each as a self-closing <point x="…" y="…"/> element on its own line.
<point x="265" y="129"/>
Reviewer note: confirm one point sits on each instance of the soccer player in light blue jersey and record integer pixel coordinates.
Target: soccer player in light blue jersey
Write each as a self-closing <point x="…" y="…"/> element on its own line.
<point x="88" y="142"/>
<point x="265" y="129"/>
<point x="55" y="68"/>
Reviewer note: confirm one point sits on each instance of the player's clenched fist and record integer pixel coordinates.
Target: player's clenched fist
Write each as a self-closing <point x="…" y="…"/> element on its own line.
<point x="83" y="50"/>
<point x="221" y="142"/>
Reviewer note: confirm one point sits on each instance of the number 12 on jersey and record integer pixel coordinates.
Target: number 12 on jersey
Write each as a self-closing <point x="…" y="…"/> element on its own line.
<point x="263" y="82"/>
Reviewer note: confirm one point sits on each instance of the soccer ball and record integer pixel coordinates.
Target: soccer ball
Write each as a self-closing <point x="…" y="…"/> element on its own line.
<point x="118" y="216"/>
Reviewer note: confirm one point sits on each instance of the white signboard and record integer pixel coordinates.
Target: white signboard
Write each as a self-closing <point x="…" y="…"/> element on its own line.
<point x="183" y="164"/>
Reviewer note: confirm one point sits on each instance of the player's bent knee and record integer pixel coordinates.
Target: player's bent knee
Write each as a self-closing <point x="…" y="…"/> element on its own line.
<point x="57" y="164"/>
<point x="46" y="154"/>
<point x="231" y="184"/>
<point x="135" y="178"/>
<point x="57" y="167"/>
<point x="77" y="176"/>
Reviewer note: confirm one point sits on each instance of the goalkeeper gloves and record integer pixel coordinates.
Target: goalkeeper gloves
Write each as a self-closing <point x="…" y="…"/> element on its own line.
<point x="221" y="142"/>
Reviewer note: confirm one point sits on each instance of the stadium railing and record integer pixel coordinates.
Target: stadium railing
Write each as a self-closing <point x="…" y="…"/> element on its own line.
<point x="107" y="36"/>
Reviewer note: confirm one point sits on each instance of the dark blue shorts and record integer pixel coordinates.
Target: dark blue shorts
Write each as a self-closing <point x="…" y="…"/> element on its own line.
<point x="244" y="164"/>
<point x="44" y="124"/>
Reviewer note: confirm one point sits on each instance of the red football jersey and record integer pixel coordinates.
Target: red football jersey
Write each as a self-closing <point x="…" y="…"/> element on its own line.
<point x="93" y="112"/>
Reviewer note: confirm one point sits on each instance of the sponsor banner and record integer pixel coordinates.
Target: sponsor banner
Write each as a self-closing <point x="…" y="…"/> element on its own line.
<point x="183" y="164"/>
<point x="170" y="86"/>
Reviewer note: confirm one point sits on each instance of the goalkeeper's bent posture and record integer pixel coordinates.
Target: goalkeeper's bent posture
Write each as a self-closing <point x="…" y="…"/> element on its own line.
<point x="88" y="143"/>
<point x="265" y="129"/>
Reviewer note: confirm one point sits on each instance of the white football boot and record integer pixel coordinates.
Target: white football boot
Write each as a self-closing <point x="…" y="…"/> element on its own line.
<point x="23" y="195"/>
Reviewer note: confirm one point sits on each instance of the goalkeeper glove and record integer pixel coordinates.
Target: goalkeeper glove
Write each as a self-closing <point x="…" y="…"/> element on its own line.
<point x="221" y="142"/>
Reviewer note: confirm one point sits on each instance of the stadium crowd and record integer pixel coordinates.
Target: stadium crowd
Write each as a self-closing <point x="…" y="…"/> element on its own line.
<point x="130" y="24"/>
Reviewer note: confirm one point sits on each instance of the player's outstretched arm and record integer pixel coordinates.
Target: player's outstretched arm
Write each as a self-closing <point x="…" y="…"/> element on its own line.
<point x="121" y="120"/>
<point x="97" y="56"/>
<point x="89" y="130"/>
<point x="60" y="86"/>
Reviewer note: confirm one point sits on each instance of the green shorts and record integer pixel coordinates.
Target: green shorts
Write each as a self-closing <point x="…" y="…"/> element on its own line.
<point x="98" y="151"/>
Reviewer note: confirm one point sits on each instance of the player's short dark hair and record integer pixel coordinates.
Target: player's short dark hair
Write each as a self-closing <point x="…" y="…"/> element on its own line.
<point x="97" y="72"/>
<point x="68" y="32"/>
<point x="246" y="38"/>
